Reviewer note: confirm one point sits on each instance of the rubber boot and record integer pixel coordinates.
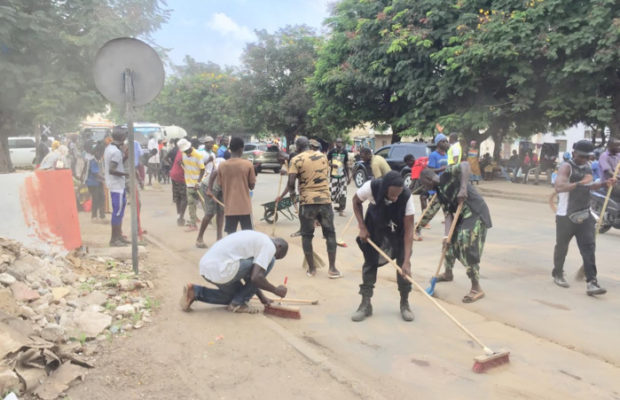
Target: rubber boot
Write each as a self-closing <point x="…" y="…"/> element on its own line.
<point x="405" y="310"/>
<point x="363" y="311"/>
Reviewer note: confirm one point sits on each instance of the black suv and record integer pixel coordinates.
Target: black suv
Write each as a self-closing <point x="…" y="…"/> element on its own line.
<point x="394" y="154"/>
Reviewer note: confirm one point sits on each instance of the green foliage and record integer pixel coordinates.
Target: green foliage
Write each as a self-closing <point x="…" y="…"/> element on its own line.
<point x="274" y="93"/>
<point x="46" y="53"/>
<point x="200" y="99"/>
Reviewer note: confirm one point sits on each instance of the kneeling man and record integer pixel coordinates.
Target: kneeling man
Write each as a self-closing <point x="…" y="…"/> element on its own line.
<point x="238" y="265"/>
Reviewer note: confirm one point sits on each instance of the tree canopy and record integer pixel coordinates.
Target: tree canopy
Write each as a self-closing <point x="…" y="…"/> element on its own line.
<point x="46" y="53"/>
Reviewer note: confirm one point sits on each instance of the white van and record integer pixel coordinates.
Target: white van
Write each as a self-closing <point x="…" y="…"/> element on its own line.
<point x="23" y="151"/>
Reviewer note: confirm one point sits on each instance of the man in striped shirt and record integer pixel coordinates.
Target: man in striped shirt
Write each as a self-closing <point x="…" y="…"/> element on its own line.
<point x="194" y="169"/>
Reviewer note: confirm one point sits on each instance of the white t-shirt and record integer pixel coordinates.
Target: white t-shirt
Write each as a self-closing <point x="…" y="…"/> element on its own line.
<point x="115" y="184"/>
<point x="152" y="144"/>
<point x="365" y="193"/>
<point x="221" y="262"/>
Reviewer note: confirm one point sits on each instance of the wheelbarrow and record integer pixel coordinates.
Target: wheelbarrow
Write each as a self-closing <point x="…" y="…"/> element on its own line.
<point x="284" y="207"/>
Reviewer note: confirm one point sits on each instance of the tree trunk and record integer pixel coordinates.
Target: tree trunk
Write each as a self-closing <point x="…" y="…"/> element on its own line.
<point x="5" y="158"/>
<point x="396" y="134"/>
<point x="614" y="124"/>
<point x="498" y="138"/>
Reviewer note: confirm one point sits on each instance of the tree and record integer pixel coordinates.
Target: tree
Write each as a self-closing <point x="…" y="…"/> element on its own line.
<point x="47" y="49"/>
<point x="273" y="92"/>
<point x="199" y="101"/>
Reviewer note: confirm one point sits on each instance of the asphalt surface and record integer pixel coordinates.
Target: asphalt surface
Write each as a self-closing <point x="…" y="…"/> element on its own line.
<point x="563" y="343"/>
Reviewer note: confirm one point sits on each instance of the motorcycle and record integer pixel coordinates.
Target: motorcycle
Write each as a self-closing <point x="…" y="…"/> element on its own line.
<point x="612" y="212"/>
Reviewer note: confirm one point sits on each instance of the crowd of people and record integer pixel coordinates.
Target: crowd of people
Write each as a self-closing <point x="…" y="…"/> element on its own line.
<point x="218" y="179"/>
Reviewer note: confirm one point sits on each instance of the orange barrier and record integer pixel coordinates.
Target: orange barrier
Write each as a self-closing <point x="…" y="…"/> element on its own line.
<point x="49" y="208"/>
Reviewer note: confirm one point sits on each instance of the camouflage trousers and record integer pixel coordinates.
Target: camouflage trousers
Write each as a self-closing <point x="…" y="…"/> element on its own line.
<point x="466" y="246"/>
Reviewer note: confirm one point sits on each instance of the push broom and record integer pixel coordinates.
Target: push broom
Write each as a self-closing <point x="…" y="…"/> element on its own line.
<point x="431" y="289"/>
<point x="318" y="261"/>
<point x="581" y="275"/>
<point x="282" y="311"/>
<point x="482" y="363"/>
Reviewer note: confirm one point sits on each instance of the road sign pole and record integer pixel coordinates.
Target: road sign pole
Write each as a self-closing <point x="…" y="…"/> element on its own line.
<point x="129" y="100"/>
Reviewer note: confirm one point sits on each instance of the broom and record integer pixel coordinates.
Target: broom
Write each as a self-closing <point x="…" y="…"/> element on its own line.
<point x="430" y="203"/>
<point x="318" y="261"/>
<point x="282" y="311"/>
<point x="340" y="242"/>
<point x="431" y="289"/>
<point x="581" y="274"/>
<point x="482" y="363"/>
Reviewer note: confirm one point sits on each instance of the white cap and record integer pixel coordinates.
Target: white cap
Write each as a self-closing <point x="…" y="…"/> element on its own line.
<point x="184" y="144"/>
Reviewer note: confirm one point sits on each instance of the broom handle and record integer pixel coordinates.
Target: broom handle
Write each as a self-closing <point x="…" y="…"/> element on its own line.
<point x="347" y="225"/>
<point x="298" y="301"/>
<point x="275" y="213"/>
<point x="439" y="306"/>
<point x="430" y="203"/>
<point x="452" y="227"/>
<point x="602" y="214"/>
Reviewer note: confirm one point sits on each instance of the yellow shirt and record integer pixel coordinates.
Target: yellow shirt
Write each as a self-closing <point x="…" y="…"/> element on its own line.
<point x="192" y="165"/>
<point x="379" y="166"/>
<point x="454" y="151"/>
<point x="312" y="170"/>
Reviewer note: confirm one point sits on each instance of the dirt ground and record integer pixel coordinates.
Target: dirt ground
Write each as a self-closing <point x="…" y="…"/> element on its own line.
<point x="563" y="344"/>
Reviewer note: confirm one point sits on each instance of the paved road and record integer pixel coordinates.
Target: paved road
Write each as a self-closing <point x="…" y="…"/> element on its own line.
<point x="564" y="344"/>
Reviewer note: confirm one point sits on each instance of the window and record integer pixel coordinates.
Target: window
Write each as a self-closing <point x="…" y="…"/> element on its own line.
<point x="249" y="147"/>
<point x="399" y="152"/>
<point x="21" y="143"/>
<point x="383" y="152"/>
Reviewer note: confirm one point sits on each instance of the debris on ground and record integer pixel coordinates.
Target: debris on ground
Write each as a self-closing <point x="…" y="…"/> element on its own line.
<point x="56" y="312"/>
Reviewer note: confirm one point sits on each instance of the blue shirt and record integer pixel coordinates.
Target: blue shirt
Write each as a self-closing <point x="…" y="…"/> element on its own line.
<point x="596" y="173"/>
<point x="221" y="150"/>
<point x="137" y="152"/>
<point x="436" y="160"/>
<point x="93" y="171"/>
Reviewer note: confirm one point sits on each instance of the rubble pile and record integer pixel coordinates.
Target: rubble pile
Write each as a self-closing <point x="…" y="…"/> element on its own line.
<point x="57" y="311"/>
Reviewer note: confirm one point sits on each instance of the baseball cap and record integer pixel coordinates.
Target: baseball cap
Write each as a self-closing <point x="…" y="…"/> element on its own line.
<point x="314" y="143"/>
<point x="440" y="137"/>
<point x="584" y="148"/>
<point x="183" y="144"/>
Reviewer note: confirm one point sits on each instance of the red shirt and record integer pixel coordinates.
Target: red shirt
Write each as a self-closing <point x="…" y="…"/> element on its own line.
<point x="176" y="172"/>
<point x="419" y="165"/>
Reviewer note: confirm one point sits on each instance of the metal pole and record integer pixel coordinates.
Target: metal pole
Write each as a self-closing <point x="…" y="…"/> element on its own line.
<point x="129" y="97"/>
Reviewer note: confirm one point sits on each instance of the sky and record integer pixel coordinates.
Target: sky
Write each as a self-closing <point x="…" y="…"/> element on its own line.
<point x="218" y="30"/>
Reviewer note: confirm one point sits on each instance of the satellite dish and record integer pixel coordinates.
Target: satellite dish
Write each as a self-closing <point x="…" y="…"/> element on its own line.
<point x="120" y="55"/>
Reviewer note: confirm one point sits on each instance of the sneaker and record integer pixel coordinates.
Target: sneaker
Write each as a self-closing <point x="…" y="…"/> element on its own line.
<point x="592" y="288"/>
<point x="560" y="281"/>
<point x="181" y="222"/>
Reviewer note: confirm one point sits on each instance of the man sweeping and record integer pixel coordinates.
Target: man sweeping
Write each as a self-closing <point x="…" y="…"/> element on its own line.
<point x="238" y="266"/>
<point x="310" y="168"/>
<point x="467" y="242"/>
<point x="573" y="218"/>
<point x="389" y="224"/>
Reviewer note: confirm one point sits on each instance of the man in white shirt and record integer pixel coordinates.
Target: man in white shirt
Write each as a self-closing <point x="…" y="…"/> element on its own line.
<point x="115" y="175"/>
<point x="238" y="265"/>
<point x="389" y="224"/>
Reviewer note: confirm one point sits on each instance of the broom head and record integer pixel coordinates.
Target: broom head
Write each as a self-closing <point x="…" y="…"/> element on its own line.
<point x="283" y="311"/>
<point x="486" y="362"/>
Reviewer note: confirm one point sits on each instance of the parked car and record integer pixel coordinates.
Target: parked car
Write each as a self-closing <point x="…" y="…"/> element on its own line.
<point x="394" y="154"/>
<point x="263" y="156"/>
<point x="23" y="151"/>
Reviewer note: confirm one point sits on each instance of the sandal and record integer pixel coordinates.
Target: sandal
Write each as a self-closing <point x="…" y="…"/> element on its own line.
<point x="417" y="238"/>
<point x="334" y="275"/>
<point x="242" y="308"/>
<point x="472" y="296"/>
<point x="201" y="245"/>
